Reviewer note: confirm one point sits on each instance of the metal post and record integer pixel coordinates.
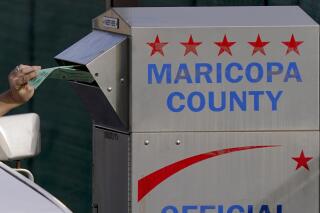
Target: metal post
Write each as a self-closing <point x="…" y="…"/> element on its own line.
<point x="18" y="164"/>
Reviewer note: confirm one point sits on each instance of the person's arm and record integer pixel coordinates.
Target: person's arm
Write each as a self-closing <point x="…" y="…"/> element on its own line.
<point x="20" y="91"/>
<point x="7" y="103"/>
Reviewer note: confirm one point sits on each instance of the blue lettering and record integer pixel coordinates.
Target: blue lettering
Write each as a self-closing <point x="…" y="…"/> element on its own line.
<point x="185" y="209"/>
<point x="293" y="72"/>
<point x="233" y="72"/>
<point x="205" y="73"/>
<point x="220" y="209"/>
<point x="211" y="103"/>
<point x="219" y="71"/>
<point x="170" y="104"/>
<point x="235" y="98"/>
<point x="169" y="209"/>
<point x="271" y="71"/>
<point x="256" y="99"/>
<point x="183" y="74"/>
<point x="274" y="99"/>
<point x="249" y="70"/>
<point x="201" y="103"/>
<point x="228" y="72"/>
<point x="165" y="71"/>
<point x="237" y="208"/>
<point x="264" y="209"/>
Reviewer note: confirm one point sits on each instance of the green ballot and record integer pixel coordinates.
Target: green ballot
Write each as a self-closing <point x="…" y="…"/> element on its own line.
<point x="70" y="73"/>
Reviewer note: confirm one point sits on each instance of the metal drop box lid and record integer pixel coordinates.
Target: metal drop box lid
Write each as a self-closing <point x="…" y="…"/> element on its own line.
<point x="193" y="17"/>
<point x="207" y="68"/>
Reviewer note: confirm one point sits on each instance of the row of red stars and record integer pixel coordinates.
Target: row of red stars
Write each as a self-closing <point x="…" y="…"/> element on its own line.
<point x="225" y="45"/>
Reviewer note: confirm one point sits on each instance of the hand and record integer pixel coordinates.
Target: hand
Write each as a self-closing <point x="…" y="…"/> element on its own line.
<point x="20" y="90"/>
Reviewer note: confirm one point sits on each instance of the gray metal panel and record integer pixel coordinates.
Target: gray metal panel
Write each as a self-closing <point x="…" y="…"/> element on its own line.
<point x="18" y="194"/>
<point x="90" y="47"/>
<point x="250" y="177"/>
<point x="215" y="16"/>
<point x="110" y="171"/>
<point x="105" y="55"/>
<point x="102" y="113"/>
<point x="297" y="109"/>
<point x="110" y="71"/>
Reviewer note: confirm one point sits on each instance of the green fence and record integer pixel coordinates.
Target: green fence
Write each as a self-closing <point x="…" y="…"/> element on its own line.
<point x="33" y="31"/>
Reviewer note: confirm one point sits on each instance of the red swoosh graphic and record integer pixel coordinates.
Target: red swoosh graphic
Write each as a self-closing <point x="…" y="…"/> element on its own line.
<point x="151" y="181"/>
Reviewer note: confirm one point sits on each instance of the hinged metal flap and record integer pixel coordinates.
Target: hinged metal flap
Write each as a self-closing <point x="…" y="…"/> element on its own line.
<point x="105" y="55"/>
<point x="90" y="47"/>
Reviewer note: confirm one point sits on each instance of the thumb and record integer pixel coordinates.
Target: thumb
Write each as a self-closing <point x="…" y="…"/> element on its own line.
<point x="30" y="89"/>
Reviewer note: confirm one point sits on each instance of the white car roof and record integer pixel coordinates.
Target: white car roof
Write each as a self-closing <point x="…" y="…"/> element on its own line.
<point x="18" y="194"/>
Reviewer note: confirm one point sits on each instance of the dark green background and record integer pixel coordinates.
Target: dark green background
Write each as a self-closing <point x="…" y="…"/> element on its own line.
<point x="33" y="31"/>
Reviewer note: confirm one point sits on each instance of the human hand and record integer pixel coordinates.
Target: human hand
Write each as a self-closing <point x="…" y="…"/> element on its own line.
<point x="20" y="90"/>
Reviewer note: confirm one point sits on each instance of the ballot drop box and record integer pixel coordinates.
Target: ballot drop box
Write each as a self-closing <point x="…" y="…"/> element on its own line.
<point x="202" y="110"/>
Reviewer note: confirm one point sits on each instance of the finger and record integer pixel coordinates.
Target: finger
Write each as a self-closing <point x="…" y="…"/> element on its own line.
<point x="16" y="71"/>
<point x="29" y="69"/>
<point x="26" y="69"/>
<point x="22" y="66"/>
<point x="30" y="88"/>
<point x="30" y="76"/>
<point x="19" y="82"/>
<point x="36" y="68"/>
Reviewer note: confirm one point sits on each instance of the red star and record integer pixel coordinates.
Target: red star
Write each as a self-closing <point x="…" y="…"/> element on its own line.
<point x="292" y="45"/>
<point x="157" y="46"/>
<point x="258" y="45"/>
<point x="302" y="161"/>
<point x="190" y="46"/>
<point x="225" y="45"/>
